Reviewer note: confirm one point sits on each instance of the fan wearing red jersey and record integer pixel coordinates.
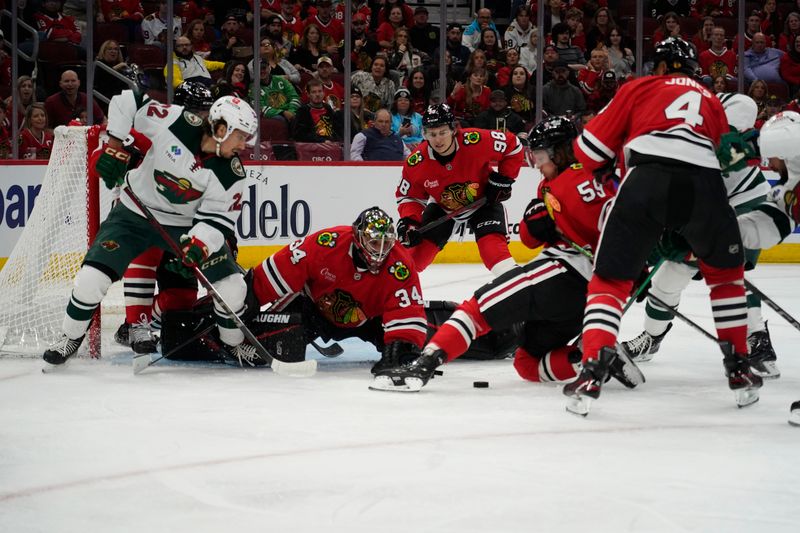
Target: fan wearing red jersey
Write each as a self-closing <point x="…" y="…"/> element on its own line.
<point x="548" y="294"/>
<point x="450" y="170"/>
<point x="350" y="281"/>
<point x="674" y="183"/>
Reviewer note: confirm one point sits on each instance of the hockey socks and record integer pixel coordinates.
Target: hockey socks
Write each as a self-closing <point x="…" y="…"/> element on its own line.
<point x="91" y="285"/>
<point x="728" y="304"/>
<point x="493" y="249"/>
<point x="560" y="364"/>
<point x="603" y="313"/>
<point x="460" y="330"/>
<point x="140" y="286"/>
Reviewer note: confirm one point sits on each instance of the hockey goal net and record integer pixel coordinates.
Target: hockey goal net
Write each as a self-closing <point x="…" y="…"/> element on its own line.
<point x="36" y="281"/>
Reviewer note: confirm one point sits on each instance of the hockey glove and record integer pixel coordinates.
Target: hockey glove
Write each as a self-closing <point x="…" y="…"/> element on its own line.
<point x="194" y="251"/>
<point x="498" y="189"/>
<point x="539" y="223"/>
<point x="736" y="148"/>
<point x="112" y="166"/>
<point x="176" y="266"/>
<point x="606" y="173"/>
<point x="407" y="232"/>
<point x="641" y="286"/>
<point x="672" y="246"/>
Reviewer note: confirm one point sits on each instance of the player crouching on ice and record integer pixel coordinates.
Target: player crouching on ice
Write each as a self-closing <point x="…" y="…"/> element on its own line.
<point x="548" y="294"/>
<point x="191" y="180"/>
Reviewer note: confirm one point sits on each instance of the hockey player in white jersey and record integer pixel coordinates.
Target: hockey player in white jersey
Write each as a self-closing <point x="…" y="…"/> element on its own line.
<point x="747" y="192"/>
<point x="192" y="181"/>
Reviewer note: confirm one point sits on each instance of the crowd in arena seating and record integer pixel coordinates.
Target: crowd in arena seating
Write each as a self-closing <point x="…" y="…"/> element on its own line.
<point x="491" y="67"/>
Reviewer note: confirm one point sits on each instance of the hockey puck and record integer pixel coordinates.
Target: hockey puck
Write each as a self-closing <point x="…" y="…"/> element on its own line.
<point x="480" y="384"/>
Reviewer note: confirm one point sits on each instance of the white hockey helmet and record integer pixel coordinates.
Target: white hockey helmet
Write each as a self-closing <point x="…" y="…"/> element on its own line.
<point x="780" y="136"/>
<point x="740" y="109"/>
<point x="237" y="114"/>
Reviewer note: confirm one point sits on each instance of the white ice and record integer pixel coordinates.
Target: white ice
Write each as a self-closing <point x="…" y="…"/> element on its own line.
<point x="210" y="449"/>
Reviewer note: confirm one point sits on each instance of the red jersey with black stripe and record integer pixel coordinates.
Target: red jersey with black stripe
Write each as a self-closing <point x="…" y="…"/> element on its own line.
<point x="321" y="265"/>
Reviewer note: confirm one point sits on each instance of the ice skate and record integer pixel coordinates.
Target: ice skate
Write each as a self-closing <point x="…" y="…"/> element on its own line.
<point x="60" y="352"/>
<point x="122" y="336"/>
<point x="742" y="381"/>
<point x="762" y="357"/>
<point x="623" y="369"/>
<point x="587" y="386"/>
<point x="141" y="338"/>
<point x="244" y="355"/>
<point x="642" y="348"/>
<point x="411" y="377"/>
<point x="794" y="414"/>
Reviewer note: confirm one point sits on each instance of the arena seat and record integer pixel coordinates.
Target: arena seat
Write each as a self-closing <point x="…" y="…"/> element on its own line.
<point x="318" y="151"/>
<point x="146" y="56"/>
<point x="103" y="31"/>
<point x="266" y="152"/>
<point x="274" y="129"/>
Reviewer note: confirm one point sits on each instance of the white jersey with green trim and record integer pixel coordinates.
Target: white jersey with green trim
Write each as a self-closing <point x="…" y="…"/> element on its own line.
<point x="746" y="188"/>
<point x="178" y="183"/>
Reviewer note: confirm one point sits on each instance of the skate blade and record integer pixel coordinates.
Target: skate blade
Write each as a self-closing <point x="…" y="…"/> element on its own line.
<point x="643" y="358"/>
<point x="794" y="417"/>
<point x="767" y="370"/>
<point x="579" y="405"/>
<point x="387" y="384"/>
<point x="50" y="368"/>
<point x="140" y="362"/>
<point x="745" y="397"/>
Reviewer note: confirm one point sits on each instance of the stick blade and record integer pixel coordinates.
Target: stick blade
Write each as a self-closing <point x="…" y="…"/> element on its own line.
<point x="140" y="362"/>
<point x="300" y="369"/>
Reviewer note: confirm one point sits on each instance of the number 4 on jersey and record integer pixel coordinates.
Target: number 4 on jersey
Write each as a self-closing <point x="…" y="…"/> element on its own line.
<point x="687" y="108"/>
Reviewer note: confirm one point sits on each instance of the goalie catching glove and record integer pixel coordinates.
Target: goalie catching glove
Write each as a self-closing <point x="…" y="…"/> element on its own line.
<point x="111" y="165"/>
<point x="498" y="189"/>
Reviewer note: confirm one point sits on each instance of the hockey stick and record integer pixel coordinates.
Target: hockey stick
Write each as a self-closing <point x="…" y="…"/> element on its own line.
<point x="142" y="361"/>
<point x="332" y="350"/>
<point x="480" y="202"/>
<point x="298" y="369"/>
<point x="775" y="307"/>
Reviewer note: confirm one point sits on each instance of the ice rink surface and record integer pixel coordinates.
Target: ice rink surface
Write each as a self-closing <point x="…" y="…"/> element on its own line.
<point x="196" y="448"/>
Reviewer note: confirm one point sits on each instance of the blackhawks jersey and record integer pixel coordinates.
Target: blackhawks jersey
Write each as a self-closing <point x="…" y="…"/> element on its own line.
<point x="667" y="116"/>
<point x="321" y="265"/>
<point x="578" y="205"/>
<point x="461" y="181"/>
<point x="179" y="187"/>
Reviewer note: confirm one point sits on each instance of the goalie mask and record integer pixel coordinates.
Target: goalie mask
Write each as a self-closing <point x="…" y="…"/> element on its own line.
<point x="237" y="115"/>
<point x="374" y="236"/>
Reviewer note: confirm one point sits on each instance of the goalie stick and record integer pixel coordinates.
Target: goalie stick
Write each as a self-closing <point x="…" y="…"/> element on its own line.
<point x="298" y="369"/>
<point x="143" y="361"/>
<point x="332" y="350"/>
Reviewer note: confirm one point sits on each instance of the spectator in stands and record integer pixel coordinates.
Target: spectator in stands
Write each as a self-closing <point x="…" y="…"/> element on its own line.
<point x="771" y="20"/>
<point x="376" y="86"/>
<point x="127" y="13"/>
<point x="500" y="117"/>
<point x="572" y="55"/>
<point x="222" y="49"/>
<point x="559" y="96"/>
<point x="424" y="35"/>
<point x="491" y="48"/>
<point x="470" y="99"/>
<point x="189" y="11"/>
<point x="278" y="96"/>
<point x="406" y="122"/>
<point x="313" y="45"/>
<point x="554" y="13"/>
<point x="364" y="47"/>
<point x="315" y="121"/>
<point x="589" y="78"/>
<point x="762" y="62"/>
<point x="472" y="34"/>
<point x="670" y="27"/>
<point x="521" y="93"/>
<point x="459" y="54"/>
<point x="402" y="55"/>
<point x="511" y="60"/>
<point x="790" y="66"/>
<point x="236" y="82"/>
<point x="790" y="32"/>
<point x="360" y="118"/>
<point x="527" y="55"/>
<point x="752" y="27"/>
<point x="702" y="39"/>
<point x="188" y="66"/>
<point x="292" y="24"/>
<point x="378" y="142"/>
<point x="549" y="60"/>
<point x="279" y="66"/>
<point x="518" y="34"/>
<point x="55" y="26"/>
<point x="154" y="26"/>
<point x="574" y="19"/>
<point x="759" y="92"/>
<point x="420" y="89"/>
<point x="25" y="96"/>
<point x="383" y="14"/>
<point x="718" y="60"/>
<point x="386" y="31"/>
<point x="196" y="32"/>
<point x="61" y="106"/>
<point x="35" y="140"/>
<point x="773" y="106"/>
<point x="720" y="84"/>
<point x="477" y="60"/>
<point x="273" y="28"/>
<point x="606" y="90"/>
<point x="620" y="57"/>
<point x="109" y="54"/>
<point x="325" y="21"/>
<point x="602" y="24"/>
<point x="5" y="135"/>
<point x="333" y="93"/>
<point x="662" y="7"/>
<point x="714" y="8"/>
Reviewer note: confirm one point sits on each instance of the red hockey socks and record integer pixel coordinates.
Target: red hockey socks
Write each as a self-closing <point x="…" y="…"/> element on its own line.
<point x="728" y="304"/>
<point x="457" y="333"/>
<point x="603" y="313"/>
<point x="493" y="249"/>
<point x="140" y="286"/>
<point x="554" y="366"/>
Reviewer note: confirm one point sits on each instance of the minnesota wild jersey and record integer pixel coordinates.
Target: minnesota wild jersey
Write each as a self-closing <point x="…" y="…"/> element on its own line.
<point x="175" y="180"/>
<point x="746" y="188"/>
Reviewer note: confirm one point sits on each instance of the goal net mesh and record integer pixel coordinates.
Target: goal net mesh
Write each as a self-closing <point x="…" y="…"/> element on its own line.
<point x="36" y="281"/>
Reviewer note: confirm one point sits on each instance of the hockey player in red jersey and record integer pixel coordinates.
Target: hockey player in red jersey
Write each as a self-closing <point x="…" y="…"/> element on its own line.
<point x="667" y="126"/>
<point x="450" y="170"/>
<point x="549" y="293"/>
<point x="350" y="281"/>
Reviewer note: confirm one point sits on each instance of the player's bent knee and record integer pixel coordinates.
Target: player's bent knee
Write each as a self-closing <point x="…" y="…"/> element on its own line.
<point x="526" y="365"/>
<point x="91" y="285"/>
<point x="232" y="289"/>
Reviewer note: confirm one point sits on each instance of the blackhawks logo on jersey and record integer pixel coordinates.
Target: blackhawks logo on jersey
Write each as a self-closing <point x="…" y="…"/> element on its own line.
<point x="472" y="137"/>
<point x="400" y="271"/>
<point x="327" y="238"/>
<point x="341" y="308"/>
<point x="457" y="195"/>
<point x="414" y="159"/>
<point x="176" y="190"/>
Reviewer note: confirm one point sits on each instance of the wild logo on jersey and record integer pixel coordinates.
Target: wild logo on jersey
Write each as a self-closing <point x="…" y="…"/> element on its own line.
<point x="327" y="238"/>
<point x="341" y="308"/>
<point x="176" y="190"/>
<point x="457" y="195"/>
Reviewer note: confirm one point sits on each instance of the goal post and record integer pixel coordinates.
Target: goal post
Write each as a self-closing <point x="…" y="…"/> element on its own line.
<point x="36" y="281"/>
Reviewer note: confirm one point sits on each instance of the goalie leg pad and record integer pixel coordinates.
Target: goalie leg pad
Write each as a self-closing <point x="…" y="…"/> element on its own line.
<point x="282" y="334"/>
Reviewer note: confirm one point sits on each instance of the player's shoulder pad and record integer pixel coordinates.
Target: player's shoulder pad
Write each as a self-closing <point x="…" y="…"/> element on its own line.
<point x="415" y="158"/>
<point x="227" y="171"/>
